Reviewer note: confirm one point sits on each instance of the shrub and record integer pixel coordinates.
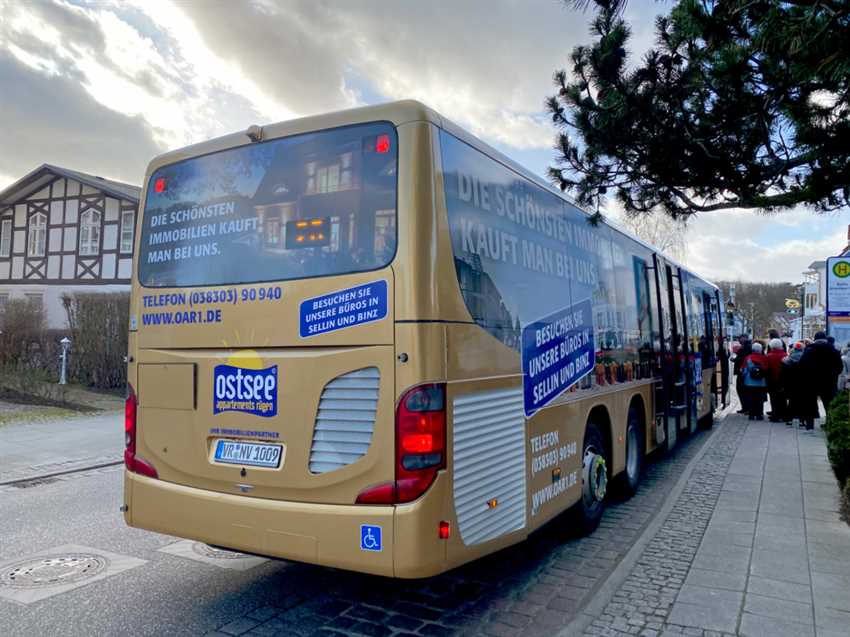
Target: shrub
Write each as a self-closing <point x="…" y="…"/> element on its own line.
<point x="837" y="428"/>
<point x="98" y="324"/>
<point x="21" y="333"/>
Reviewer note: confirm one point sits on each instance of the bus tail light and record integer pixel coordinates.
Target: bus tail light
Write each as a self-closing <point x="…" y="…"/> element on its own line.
<point x="131" y="461"/>
<point x="420" y="451"/>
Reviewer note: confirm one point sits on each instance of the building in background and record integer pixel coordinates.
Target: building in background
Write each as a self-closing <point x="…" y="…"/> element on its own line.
<point x="63" y="231"/>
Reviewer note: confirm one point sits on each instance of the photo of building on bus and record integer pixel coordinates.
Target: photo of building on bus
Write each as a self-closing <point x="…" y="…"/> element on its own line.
<point x="370" y="341"/>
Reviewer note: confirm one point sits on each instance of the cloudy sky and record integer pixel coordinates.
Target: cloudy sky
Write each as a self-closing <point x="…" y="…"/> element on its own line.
<point x="104" y="86"/>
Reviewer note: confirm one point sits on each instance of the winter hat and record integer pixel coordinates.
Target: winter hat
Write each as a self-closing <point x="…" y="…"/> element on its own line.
<point x="775" y="343"/>
<point x="757" y="349"/>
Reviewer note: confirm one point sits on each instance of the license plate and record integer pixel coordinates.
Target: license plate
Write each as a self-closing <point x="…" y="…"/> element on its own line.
<point x="253" y="454"/>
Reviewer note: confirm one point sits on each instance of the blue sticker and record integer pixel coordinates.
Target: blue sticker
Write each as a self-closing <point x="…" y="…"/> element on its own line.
<point x="252" y="391"/>
<point x="370" y="538"/>
<point x="344" y="308"/>
<point x="557" y="351"/>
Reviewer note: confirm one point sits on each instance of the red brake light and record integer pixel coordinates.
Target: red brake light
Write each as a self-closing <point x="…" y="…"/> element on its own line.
<point x="382" y="144"/>
<point x="131" y="461"/>
<point x="420" y="446"/>
<point x="445" y="530"/>
<point x="159" y="185"/>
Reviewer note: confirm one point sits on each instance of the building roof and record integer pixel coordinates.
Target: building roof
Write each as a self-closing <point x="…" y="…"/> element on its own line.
<point x="44" y="174"/>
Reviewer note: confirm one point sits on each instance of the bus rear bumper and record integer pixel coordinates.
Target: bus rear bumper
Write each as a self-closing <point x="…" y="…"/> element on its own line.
<point x="325" y="534"/>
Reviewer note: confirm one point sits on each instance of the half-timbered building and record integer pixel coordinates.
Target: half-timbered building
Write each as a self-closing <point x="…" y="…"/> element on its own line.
<point x="63" y="231"/>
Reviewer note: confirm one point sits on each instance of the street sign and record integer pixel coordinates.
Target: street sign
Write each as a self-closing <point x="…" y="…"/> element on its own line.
<point x="792" y="304"/>
<point x="838" y="298"/>
<point x="838" y="286"/>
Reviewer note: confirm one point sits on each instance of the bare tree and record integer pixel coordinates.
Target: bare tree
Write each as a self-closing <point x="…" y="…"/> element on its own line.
<point x="665" y="233"/>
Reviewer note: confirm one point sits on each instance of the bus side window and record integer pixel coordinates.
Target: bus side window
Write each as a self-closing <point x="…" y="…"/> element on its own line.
<point x="645" y="308"/>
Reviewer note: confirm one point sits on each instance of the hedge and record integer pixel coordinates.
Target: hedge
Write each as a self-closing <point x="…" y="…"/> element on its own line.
<point x="98" y="324"/>
<point x="837" y="429"/>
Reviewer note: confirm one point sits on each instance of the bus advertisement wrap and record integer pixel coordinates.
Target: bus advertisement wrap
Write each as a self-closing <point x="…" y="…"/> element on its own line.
<point x="557" y="351"/>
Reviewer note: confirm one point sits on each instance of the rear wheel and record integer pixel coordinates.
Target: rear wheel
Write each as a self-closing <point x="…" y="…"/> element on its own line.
<point x="629" y="480"/>
<point x="594" y="480"/>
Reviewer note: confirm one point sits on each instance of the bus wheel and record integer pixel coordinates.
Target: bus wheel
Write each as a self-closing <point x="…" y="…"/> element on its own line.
<point x="594" y="480"/>
<point x="630" y="478"/>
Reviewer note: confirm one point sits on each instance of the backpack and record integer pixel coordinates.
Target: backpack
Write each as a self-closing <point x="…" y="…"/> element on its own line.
<point x="755" y="371"/>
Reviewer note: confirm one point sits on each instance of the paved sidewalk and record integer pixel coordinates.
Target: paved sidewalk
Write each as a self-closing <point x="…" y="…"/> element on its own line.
<point x="29" y="449"/>
<point x="754" y="545"/>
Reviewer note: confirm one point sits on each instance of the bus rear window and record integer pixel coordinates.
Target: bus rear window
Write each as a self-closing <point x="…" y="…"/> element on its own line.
<point x="309" y="205"/>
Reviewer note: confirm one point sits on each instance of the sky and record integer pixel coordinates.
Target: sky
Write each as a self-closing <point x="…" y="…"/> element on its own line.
<point x="104" y="86"/>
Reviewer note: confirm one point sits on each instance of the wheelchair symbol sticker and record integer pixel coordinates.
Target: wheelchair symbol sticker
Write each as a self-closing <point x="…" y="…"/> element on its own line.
<point x="370" y="538"/>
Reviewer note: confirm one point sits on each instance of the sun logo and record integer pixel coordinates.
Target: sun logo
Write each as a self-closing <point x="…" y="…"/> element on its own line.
<point x="246" y="359"/>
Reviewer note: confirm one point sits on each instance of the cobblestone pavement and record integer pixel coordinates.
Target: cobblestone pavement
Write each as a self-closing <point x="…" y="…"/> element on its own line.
<point x="745" y="549"/>
<point x="535" y="588"/>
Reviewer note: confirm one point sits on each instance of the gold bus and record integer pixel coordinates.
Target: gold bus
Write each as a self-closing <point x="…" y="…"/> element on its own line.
<point x="370" y="341"/>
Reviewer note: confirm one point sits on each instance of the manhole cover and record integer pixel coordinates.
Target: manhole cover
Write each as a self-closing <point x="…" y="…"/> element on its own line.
<point x="205" y="550"/>
<point x="56" y="570"/>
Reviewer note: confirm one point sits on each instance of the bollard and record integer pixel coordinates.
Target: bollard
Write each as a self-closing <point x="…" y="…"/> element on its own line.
<point x="63" y="376"/>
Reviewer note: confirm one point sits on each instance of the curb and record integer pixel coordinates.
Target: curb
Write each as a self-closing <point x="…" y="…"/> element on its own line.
<point x="605" y="592"/>
<point x="45" y="476"/>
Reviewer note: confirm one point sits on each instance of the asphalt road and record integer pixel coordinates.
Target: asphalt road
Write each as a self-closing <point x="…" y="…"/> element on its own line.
<point x="532" y="589"/>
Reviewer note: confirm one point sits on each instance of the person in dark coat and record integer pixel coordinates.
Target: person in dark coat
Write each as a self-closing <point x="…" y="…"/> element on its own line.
<point x="745" y="350"/>
<point x="793" y="384"/>
<point x="820" y="367"/>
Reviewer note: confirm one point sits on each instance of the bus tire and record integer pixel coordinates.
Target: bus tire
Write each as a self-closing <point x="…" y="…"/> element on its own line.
<point x="629" y="479"/>
<point x="594" y="480"/>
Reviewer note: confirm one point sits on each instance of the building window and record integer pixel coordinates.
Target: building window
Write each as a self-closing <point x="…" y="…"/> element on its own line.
<point x="5" y="237"/>
<point x="89" y="233"/>
<point x="38" y="235"/>
<point x="36" y="299"/>
<point x="128" y="223"/>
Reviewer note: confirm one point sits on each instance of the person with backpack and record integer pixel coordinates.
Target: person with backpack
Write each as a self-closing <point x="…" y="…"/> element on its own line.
<point x="754" y="370"/>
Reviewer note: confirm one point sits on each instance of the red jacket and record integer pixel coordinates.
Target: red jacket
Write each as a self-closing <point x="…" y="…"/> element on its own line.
<point x="761" y="360"/>
<point x="774" y="365"/>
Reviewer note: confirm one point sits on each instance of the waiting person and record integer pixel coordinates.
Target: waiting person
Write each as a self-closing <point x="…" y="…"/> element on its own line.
<point x="775" y="388"/>
<point x="820" y="367"/>
<point x="744" y="350"/>
<point x="797" y="407"/>
<point x="774" y="334"/>
<point x="755" y="372"/>
<point x="844" y="377"/>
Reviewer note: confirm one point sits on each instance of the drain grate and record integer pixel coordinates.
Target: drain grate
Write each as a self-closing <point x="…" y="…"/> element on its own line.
<point x="55" y="570"/>
<point x="205" y="550"/>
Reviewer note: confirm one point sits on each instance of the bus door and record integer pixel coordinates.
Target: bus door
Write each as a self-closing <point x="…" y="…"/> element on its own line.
<point x="664" y="395"/>
<point x="681" y="378"/>
<point x="691" y="359"/>
<point x="722" y="351"/>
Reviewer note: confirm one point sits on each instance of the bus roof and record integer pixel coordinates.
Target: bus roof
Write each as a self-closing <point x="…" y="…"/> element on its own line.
<point x="399" y="112"/>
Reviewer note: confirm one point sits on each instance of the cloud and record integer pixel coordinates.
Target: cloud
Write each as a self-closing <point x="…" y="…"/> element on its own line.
<point x="486" y="65"/>
<point x="53" y="120"/>
<point x="751" y="247"/>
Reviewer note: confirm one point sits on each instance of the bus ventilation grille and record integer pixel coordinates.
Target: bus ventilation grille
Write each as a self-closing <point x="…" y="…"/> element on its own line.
<point x="346" y="419"/>
<point x="489" y="464"/>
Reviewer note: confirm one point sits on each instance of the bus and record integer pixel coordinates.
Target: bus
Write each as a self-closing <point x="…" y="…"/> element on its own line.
<point x="368" y="340"/>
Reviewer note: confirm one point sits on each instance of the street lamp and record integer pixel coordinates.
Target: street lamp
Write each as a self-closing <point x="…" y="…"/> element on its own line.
<point x="66" y="345"/>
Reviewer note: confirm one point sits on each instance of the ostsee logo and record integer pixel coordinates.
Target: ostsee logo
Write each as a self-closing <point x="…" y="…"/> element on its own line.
<point x="252" y="391"/>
